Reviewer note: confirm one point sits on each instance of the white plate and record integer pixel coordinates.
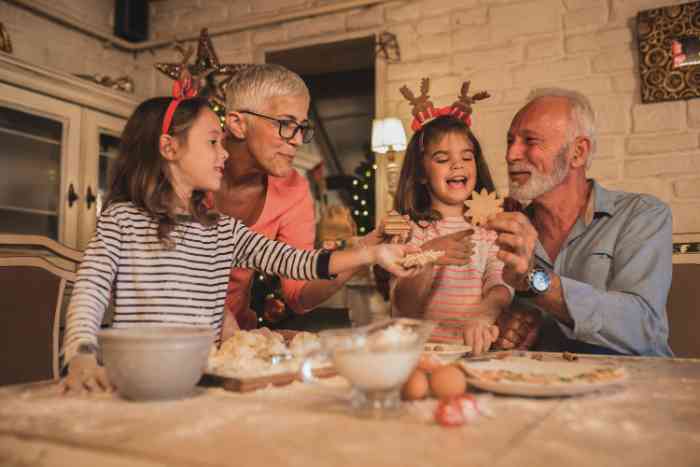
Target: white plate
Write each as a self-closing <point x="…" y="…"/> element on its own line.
<point x="446" y="351"/>
<point x="550" y="377"/>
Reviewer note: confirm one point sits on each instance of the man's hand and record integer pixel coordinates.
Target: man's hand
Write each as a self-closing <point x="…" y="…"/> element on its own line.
<point x="480" y="335"/>
<point x="457" y="247"/>
<point x="85" y="375"/>
<point x="518" y="329"/>
<point x="516" y="240"/>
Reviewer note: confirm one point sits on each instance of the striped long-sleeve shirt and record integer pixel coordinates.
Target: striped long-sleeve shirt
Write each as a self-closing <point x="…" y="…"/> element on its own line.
<point x="456" y="291"/>
<point x="185" y="285"/>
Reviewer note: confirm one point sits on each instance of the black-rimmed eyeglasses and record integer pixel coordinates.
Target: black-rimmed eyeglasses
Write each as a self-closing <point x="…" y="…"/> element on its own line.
<point x="288" y="128"/>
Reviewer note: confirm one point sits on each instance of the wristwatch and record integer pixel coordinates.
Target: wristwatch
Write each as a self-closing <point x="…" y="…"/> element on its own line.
<point x="538" y="282"/>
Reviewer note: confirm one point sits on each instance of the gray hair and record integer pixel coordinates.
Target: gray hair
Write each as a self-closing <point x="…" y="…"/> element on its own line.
<point x="582" y="115"/>
<point x="251" y="87"/>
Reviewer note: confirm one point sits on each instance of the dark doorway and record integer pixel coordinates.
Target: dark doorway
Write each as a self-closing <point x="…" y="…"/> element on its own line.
<point x="340" y="76"/>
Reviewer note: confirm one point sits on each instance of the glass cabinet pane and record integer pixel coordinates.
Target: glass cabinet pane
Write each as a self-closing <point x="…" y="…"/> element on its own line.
<point x="30" y="181"/>
<point x="109" y="148"/>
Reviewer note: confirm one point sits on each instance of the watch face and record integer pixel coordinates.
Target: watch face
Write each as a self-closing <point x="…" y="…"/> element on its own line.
<point x="540" y="280"/>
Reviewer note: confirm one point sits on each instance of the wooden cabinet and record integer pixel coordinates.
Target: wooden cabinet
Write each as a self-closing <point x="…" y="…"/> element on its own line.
<point x="58" y="134"/>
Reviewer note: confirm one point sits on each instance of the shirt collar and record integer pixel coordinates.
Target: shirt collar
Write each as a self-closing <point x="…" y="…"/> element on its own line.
<point x="600" y="203"/>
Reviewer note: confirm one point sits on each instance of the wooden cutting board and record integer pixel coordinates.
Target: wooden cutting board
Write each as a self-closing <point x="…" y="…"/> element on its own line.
<point x="248" y="384"/>
<point x="230" y="383"/>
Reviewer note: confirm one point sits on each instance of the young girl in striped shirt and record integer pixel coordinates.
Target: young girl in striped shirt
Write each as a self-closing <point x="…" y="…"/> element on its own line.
<point x="463" y="292"/>
<point x="157" y="251"/>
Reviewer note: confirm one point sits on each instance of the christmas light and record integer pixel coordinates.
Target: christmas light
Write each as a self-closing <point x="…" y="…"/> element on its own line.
<point x="365" y="186"/>
<point x="356" y="212"/>
<point x="355" y="182"/>
<point x="355" y="197"/>
<point x="363" y="202"/>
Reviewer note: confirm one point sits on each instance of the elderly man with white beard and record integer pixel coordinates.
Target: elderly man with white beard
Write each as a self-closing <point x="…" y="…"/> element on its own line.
<point x="594" y="263"/>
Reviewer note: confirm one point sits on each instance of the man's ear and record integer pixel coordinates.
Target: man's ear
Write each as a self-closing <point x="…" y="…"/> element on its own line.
<point x="168" y="147"/>
<point x="236" y="124"/>
<point x="582" y="151"/>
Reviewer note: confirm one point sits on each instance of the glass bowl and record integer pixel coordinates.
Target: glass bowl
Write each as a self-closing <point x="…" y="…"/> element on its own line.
<point x="376" y="359"/>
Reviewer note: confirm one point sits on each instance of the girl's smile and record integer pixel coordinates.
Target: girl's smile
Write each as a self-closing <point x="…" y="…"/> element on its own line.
<point x="450" y="171"/>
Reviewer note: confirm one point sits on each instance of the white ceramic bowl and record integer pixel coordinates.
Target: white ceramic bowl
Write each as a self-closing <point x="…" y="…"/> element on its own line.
<point x="161" y="362"/>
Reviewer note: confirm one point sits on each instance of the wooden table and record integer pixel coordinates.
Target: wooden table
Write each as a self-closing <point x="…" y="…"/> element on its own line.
<point x="652" y="421"/>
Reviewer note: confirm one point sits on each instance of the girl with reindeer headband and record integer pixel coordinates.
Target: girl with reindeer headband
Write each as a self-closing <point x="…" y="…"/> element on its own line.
<point x="463" y="290"/>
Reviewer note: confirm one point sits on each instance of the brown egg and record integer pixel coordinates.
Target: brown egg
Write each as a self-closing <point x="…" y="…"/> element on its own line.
<point x="448" y="381"/>
<point x="416" y="387"/>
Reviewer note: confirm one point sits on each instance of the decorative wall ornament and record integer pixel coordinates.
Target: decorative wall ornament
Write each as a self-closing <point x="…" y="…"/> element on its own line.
<point x="387" y="47"/>
<point x="662" y="33"/>
<point x="5" y="42"/>
<point x="686" y="248"/>
<point x="209" y="77"/>
<point x="122" y="83"/>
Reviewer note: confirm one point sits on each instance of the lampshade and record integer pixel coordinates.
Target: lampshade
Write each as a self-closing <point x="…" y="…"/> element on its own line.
<point x="388" y="134"/>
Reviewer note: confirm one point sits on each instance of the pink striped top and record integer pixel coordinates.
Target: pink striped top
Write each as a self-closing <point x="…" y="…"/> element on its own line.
<point x="457" y="291"/>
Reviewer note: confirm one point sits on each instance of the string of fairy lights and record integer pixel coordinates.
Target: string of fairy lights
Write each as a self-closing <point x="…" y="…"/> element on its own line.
<point x="362" y="196"/>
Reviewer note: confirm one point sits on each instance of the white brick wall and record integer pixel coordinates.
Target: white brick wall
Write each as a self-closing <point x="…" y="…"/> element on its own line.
<point x="511" y="46"/>
<point x="40" y="41"/>
<point x="505" y="46"/>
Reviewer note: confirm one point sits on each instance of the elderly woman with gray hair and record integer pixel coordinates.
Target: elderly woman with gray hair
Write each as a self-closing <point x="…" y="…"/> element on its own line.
<point x="267" y="120"/>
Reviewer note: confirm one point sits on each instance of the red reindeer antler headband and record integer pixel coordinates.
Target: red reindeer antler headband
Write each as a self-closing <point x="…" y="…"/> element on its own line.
<point x="424" y="111"/>
<point x="183" y="88"/>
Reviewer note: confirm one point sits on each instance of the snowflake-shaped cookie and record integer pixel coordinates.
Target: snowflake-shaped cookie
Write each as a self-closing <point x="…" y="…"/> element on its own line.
<point x="483" y="205"/>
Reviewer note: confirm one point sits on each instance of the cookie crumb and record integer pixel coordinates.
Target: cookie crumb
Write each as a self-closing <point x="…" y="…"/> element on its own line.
<point x="569" y="356"/>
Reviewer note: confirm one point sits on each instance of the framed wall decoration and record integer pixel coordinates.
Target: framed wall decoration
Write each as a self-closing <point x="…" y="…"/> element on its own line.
<point x="669" y="52"/>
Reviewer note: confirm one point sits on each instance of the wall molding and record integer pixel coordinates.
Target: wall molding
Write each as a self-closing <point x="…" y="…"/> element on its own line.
<point x="65" y="86"/>
<point x="243" y="24"/>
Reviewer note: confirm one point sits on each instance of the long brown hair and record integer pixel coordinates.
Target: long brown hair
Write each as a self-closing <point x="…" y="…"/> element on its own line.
<point x="139" y="173"/>
<point x="412" y="194"/>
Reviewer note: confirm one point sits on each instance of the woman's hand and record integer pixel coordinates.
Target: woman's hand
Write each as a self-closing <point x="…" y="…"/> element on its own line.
<point x="85" y="375"/>
<point x="480" y="335"/>
<point x="375" y="237"/>
<point x="274" y="310"/>
<point x="457" y="246"/>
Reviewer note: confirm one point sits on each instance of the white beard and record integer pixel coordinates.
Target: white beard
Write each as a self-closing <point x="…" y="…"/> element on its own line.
<point x="539" y="183"/>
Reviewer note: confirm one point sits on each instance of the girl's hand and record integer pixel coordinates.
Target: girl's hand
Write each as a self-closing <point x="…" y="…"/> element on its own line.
<point x="480" y="335"/>
<point x="375" y="237"/>
<point x="457" y="246"/>
<point x="85" y="375"/>
<point x="389" y="257"/>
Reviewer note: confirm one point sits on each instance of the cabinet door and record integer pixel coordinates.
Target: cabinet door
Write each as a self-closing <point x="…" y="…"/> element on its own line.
<point x="39" y="156"/>
<point x="99" y="148"/>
